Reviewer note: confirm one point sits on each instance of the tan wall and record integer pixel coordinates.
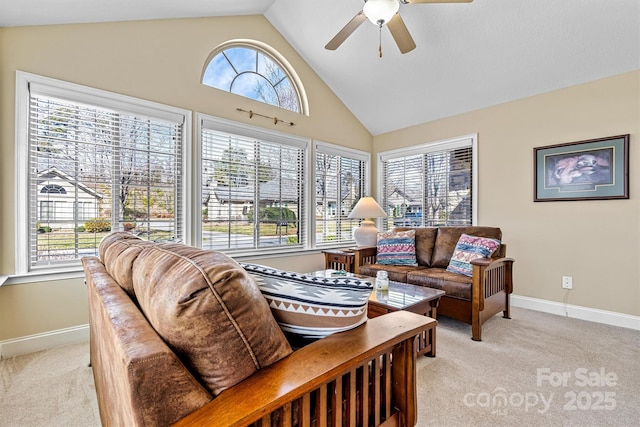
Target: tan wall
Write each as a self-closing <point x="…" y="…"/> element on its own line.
<point x="596" y="242"/>
<point x="160" y="61"/>
<point x="33" y="308"/>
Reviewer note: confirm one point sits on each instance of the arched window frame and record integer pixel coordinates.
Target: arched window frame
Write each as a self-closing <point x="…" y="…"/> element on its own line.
<point x="273" y="55"/>
<point x="53" y="189"/>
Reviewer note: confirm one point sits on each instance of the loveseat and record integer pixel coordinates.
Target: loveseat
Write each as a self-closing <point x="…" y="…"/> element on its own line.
<point x="184" y="336"/>
<point x="472" y="298"/>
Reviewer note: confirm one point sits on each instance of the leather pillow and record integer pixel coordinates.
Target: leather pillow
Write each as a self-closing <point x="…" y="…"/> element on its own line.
<point x="308" y="307"/>
<point x="209" y="311"/>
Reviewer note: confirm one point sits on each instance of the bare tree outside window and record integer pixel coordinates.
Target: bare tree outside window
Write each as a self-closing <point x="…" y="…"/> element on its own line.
<point x="94" y="154"/>
<point x="252" y="192"/>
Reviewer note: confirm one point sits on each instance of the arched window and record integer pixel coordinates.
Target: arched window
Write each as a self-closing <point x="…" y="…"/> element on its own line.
<point x="53" y="189"/>
<point x="254" y="70"/>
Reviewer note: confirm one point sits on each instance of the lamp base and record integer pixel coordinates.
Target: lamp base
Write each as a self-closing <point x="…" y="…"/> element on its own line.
<point x="366" y="234"/>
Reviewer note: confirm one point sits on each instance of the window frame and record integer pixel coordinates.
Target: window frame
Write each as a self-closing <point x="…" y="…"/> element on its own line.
<point x="327" y="148"/>
<point x="273" y="55"/>
<point x="470" y="140"/>
<point x="96" y="97"/>
<point x="205" y="121"/>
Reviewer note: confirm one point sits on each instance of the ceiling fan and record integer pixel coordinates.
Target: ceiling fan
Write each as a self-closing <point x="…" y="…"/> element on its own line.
<point x="381" y="12"/>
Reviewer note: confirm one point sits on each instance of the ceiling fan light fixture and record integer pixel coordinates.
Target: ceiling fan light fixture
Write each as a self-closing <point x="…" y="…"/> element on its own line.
<point x="379" y="12"/>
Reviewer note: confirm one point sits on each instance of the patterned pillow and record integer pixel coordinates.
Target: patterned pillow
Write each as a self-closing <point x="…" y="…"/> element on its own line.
<point x="397" y="248"/>
<point x="308" y="307"/>
<point x="469" y="248"/>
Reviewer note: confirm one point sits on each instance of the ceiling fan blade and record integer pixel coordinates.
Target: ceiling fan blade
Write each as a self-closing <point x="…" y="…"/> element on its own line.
<point x="346" y="31"/>
<point x="435" y="1"/>
<point x="401" y="34"/>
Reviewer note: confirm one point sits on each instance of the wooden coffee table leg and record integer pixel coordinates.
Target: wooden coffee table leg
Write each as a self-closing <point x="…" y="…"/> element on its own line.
<point x="433" y="313"/>
<point x="427" y="343"/>
<point x="432" y="338"/>
<point x="434" y="308"/>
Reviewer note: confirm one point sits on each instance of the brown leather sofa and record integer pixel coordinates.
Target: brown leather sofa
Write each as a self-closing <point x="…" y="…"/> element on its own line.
<point x="183" y="336"/>
<point x="472" y="300"/>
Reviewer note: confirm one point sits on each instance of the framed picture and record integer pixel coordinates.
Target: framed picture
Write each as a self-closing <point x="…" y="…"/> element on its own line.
<point x="597" y="169"/>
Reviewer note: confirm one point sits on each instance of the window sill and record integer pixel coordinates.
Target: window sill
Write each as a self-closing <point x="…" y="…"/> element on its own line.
<point x="77" y="272"/>
<point x="278" y="254"/>
<point x="42" y="276"/>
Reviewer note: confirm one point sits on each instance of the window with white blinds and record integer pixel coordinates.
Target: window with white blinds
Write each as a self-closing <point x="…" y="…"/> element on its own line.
<point x="430" y="185"/>
<point x="253" y="187"/>
<point x="96" y="166"/>
<point x="340" y="181"/>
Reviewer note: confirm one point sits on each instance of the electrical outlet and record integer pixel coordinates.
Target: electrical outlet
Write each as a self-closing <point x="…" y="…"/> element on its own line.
<point x="567" y="282"/>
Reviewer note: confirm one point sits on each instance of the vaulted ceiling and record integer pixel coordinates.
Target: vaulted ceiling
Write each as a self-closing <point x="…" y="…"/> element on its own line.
<point x="468" y="55"/>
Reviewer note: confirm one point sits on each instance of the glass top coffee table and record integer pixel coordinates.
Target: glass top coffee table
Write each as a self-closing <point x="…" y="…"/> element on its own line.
<point x="400" y="296"/>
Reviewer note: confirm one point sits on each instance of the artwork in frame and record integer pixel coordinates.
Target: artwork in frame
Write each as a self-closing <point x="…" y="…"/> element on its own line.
<point x="596" y="169"/>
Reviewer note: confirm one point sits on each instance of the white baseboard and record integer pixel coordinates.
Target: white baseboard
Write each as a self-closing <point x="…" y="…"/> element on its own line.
<point x="44" y="341"/>
<point x="577" y="312"/>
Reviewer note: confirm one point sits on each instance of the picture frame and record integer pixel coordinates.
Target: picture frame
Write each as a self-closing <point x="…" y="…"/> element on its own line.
<point x="595" y="169"/>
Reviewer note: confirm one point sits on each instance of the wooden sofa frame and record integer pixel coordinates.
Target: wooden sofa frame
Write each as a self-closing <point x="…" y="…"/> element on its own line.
<point x="345" y="379"/>
<point x="492" y="284"/>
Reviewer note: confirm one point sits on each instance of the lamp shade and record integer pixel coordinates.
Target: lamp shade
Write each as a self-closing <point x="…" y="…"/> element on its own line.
<point x="380" y="11"/>
<point x="367" y="207"/>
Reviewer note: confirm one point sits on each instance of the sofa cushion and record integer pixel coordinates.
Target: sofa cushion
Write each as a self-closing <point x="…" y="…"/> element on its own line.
<point x="448" y="237"/>
<point x="209" y="311"/>
<point x="309" y="307"/>
<point x="397" y="273"/>
<point x="469" y="248"/>
<point x="425" y="241"/>
<point x="397" y="248"/>
<point x="454" y="285"/>
<point x="118" y="251"/>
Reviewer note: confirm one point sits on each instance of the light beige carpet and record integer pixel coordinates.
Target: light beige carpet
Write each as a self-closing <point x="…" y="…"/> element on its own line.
<point x="534" y="369"/>
<point x="52" y="388"/>
<point x="514" y="377"/>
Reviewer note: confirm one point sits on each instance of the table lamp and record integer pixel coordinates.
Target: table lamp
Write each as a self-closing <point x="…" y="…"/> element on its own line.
<point x="367" y="233"/>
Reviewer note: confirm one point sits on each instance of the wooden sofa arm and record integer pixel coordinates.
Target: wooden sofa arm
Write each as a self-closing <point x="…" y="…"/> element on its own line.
<point x="491" y="286"/>
<point x="345" y="375"/>
<point x="493" y="274"/>
<point x="363" y="255"/>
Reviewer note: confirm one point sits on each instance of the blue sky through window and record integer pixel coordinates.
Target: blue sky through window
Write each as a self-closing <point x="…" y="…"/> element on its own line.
<point x="253" y="74"/>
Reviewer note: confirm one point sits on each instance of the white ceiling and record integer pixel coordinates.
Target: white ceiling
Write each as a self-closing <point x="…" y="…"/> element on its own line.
<point x="468" y="55"/>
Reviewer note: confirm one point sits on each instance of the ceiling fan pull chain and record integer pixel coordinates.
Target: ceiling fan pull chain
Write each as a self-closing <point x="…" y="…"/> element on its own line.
<point x="380" y="39"/>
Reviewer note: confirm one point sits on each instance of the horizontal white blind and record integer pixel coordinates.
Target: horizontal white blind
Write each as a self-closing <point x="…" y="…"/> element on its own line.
<point x="433" y="188"/>
<point x="340" y="183"/>
<point x="448" y="184"/>
<point x="253" y="191"/>
<point x="403" y="190"/>
<point x="95" y="169"/>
